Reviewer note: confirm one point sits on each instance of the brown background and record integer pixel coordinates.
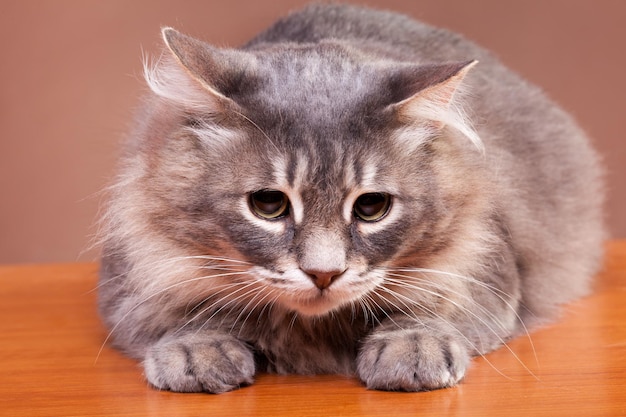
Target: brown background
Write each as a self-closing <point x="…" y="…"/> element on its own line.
<point x="70" y="76"/>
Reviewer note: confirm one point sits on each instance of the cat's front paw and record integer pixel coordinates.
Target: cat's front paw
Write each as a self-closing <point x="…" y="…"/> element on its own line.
<point x="411" y="360"/>
<point x="199" y="362"/>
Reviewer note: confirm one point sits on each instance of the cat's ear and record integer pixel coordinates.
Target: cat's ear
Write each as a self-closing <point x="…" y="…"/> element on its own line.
<point x="430" y="98"/>
<point x="196" y="75"/>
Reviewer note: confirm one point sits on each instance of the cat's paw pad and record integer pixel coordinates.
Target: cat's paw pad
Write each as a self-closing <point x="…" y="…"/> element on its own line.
<point x="411" y="360"/>
<point x="199" y="363"/>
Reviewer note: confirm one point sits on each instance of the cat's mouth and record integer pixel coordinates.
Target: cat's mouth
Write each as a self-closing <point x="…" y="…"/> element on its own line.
<point x="295" y="292"/>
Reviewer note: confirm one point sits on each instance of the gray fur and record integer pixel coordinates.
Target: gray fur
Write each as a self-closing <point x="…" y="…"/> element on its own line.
<point x="493" y="223"/>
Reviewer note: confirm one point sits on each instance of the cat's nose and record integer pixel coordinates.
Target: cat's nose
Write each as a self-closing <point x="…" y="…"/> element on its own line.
<point x="323" y="279"/>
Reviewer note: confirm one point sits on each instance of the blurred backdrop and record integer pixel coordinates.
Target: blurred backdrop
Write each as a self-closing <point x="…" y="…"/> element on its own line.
<point x="70" y="76"/>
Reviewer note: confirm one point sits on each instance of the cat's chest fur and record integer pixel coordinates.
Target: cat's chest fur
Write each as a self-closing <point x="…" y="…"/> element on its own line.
<point x="286" y="344"/>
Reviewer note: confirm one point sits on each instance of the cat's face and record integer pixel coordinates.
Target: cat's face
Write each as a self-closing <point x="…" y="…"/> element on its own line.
<point x="303" y="170"/>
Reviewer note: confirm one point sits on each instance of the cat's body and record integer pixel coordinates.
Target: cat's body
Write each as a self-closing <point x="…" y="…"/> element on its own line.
<point x="317" y="202"/>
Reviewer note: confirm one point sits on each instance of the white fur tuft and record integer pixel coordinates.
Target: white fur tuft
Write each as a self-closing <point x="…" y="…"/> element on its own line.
<point x="451" y="115"/>
<point x="442" y="104"/>
<point x="168" y="80"/>
<point x="213" y="136"/>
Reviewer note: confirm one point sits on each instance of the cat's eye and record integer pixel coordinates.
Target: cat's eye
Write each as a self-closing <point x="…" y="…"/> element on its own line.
<point x="269" y="204"/>
<point x="371" y="207"/>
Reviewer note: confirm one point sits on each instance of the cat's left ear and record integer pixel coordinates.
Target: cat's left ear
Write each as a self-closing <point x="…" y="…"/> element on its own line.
<point x="429" y="97"/>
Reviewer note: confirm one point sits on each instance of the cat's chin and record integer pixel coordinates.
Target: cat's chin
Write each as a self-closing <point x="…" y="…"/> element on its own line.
<point x="318" y="306"/>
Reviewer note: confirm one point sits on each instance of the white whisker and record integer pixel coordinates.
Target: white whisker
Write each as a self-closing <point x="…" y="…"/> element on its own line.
<point x="494" y="290"/>
<point x="251" y="309"/>
<point x="230" y="304"/>
<point x="383" y="310"/>
<point x="160" y="292"/>
<point x="471" y="315"/>
<point x="458" y="331"/>
<point x="292" y="322"/>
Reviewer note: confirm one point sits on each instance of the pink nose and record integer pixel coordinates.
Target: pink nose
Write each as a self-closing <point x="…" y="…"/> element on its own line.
<point x="323" y="279"/>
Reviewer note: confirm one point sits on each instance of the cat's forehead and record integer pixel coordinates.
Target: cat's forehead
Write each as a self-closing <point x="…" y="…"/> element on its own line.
<point x="323" y="93"/>
<point x="324" y="73"/>
<point x="328" y="57"/>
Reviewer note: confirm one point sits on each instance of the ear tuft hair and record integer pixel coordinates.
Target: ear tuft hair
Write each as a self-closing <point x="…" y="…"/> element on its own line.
<point x="168" y="80"/>
<point x="441" y="104"/>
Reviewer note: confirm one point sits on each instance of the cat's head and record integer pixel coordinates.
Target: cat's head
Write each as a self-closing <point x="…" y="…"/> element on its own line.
<point x="313" y="168"/>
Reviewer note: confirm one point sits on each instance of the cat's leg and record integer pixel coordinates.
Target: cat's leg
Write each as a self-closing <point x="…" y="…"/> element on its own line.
<point x="203" y="361"/>
<point x="415" y="358"/>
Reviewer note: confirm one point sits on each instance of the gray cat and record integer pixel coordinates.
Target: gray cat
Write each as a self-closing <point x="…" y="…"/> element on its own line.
<point x="318" y="201"/>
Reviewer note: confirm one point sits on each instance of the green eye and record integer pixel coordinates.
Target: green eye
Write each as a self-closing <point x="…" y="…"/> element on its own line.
<point x="371" y="207"/>
<point x="269" y="204"/>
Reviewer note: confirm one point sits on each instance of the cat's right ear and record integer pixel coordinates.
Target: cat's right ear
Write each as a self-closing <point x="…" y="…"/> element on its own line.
<point x="195" y="59"/>
<point x="194" y="74"/>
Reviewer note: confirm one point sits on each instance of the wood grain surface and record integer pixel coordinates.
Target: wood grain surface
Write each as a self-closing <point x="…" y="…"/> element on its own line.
<point x="53" y="363"/>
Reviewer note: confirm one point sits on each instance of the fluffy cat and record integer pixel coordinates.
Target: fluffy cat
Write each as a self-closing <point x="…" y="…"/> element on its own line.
<point x="318" y="201"/>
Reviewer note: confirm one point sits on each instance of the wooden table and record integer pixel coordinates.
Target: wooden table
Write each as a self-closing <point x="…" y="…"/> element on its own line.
<point x="51" y="363"/>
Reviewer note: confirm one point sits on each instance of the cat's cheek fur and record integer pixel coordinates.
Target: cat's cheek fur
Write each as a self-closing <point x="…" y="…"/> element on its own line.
<point x="199" y="362"/>
<point x="417" y="359"/>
